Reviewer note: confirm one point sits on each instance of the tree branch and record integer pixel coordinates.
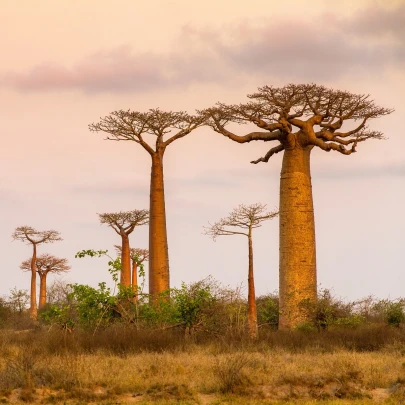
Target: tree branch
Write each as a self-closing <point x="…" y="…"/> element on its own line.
<point x="269" y="154"/>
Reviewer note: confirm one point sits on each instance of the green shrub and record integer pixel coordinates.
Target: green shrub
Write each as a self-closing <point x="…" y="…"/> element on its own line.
<point x="268" y="310"/>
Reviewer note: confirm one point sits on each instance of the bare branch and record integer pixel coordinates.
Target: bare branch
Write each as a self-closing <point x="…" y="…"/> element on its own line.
<point x="244" y="217"/>
<point x="217" y="119"/>
<point x="124" y="222"/>
<point x="46" y="263"/>
<point x="269" y="154"/>
<point x="141" y="254"/>
<point x="303" y="106"/>
<point x="32" y="236"/>
<point x="133" y="125"/>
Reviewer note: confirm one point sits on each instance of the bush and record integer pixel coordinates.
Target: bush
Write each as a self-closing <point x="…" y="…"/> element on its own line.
<point x="268" y="310"/>
<point x="395" y="313"/>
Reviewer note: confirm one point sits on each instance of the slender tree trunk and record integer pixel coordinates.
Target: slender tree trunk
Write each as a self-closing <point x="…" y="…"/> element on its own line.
<point x="158" y="250"/>
<point x="252" y="312"/>
<point x="42" y="290"/>
<point x="135" y="280"/>
<point x="298" y="287"/>
<point x="33" y="303"/>
<point x="125" y="278"/>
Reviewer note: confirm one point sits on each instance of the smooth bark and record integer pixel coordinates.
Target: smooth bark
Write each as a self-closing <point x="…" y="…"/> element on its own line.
<point x="158" y="249"/>
<point x="33" y="300"/>
<point x="252" y="312"/>
<point x="135" y="280"/>
<point x="125" y="278"/>
<point x="42" y="290"/>
<point x="298" y="286"/>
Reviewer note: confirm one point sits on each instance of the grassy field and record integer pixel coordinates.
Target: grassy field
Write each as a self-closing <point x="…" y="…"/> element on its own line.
<point x="125" y="366"/>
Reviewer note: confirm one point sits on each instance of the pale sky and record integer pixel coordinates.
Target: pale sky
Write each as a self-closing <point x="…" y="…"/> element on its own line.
<point x="67" y="63"/>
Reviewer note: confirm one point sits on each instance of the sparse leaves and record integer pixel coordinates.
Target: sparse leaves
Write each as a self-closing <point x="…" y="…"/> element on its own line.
<point x="31" y="235"/>
<point x="47" y="263"/>
<point x="137" y="254"/>
<point x="245" y="217"/>
<point x="127" y="125"/>
<point x="303" y="114"/>
<point x="124" y="222"/>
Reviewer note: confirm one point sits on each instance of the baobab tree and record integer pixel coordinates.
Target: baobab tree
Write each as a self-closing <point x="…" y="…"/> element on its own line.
<point x="45" y="264"/>
<point x="124" y="223"/>
<point x="241" y="221"/>
<point x="138" y="257"/>
<point x="298" y="118"/>
<point x="136" y="126"/>
<point x="32" y="236"/>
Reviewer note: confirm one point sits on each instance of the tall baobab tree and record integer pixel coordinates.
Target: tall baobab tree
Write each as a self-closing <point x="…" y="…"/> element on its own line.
<point x="241" y="221"/>
<point x="137" y="126"/>
<point x="138" y="257"/>
<point x="45" y="264"/>
<point x="124" y="223"/>
<point x="298" y="118"/>
<point x="32" y="236"/>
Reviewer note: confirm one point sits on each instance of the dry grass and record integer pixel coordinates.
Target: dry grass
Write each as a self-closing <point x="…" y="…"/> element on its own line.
<point x="57" y="368"/>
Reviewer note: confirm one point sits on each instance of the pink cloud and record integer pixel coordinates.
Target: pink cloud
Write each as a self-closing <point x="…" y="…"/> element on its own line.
<point x="289" y="49"/>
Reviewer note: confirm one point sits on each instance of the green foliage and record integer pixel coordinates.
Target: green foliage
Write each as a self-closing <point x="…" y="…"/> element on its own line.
<point x="329" y="311"/>
<point x="159" y="314"/>
<point x="192" y="301"/>
<point x="351" y="321"/>
<point x="93" y="306"/>
<point x="268" y="310"/>
<point x="61" y="315"/>
<point x="395" y="314"/>
<point x="391" y="311"/>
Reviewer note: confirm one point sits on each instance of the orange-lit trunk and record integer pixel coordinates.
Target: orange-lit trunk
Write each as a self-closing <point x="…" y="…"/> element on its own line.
<point x="42" y="290"/>
<point x="158" y="250"/>
<point x="252" y="312"/>
<point x="125" y="278"/>
<point x="33" y="300"/>
<point x="298" y="288"/>
<point x="135" y="280"/>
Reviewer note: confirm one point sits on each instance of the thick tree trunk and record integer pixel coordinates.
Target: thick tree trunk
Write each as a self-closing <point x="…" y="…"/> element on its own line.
<point x="42" y="290"/>
<point x="125" y="278"/>
<point x="298" y="287"/>
<point x="135" y="280"/>
<point x="158" y="250"/>
<point x="252" y="312"/>
<point x="33" y="301"/>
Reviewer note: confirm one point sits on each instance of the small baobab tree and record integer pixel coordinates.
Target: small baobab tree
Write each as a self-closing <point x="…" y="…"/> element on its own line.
<point x="45" y="264"/>
<point x="241" y="221"/>
<point x="138" y="257"/>
<point x="299" y="118"/>
<point x="32" y="236"/>
<point x="137" y="127"/>
<point x="124" y="223"/>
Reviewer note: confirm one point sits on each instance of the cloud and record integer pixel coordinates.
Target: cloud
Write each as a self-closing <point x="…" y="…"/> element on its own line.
<point x="117" y="70"/>
<point x="330" y="48"/>
<point x="378" y="21"/>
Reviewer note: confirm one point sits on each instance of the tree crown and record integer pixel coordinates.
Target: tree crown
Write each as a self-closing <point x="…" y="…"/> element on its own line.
<point x="31" y="235"/>
<point x="300" y="115"/>
<point x="136" y="253"/>
<point x="245" y="217"/>
<point x="46" y="263"/>
<point x="127" y="125"/>
<point x="124" y="222"/>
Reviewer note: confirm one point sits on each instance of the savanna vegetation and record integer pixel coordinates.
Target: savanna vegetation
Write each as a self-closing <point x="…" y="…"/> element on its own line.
<point x="205" y="343"/>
